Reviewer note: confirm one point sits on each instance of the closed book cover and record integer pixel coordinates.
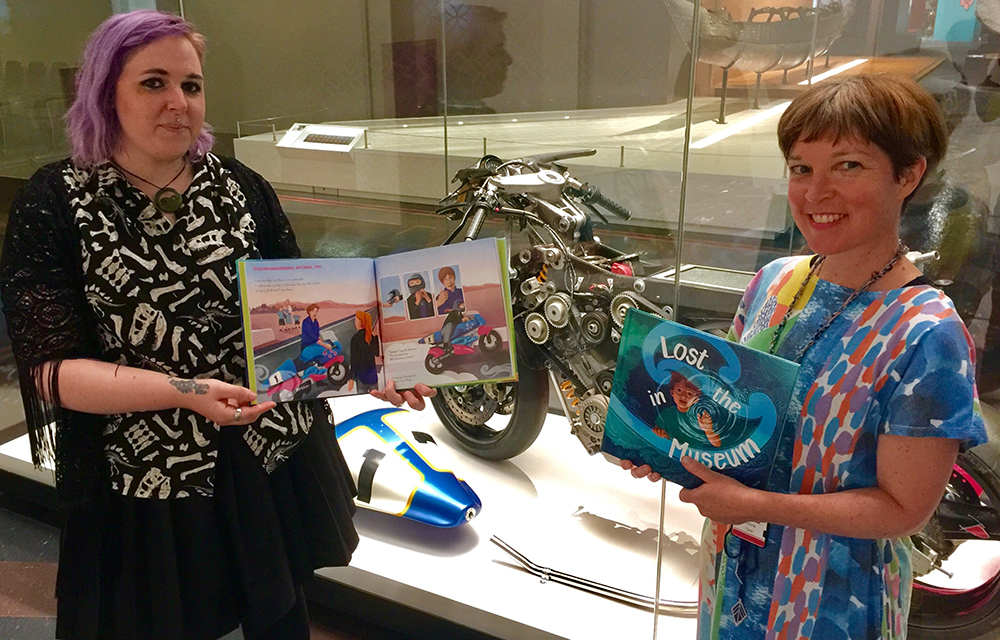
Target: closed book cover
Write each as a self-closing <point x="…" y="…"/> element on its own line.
<point x="682" y="392"/>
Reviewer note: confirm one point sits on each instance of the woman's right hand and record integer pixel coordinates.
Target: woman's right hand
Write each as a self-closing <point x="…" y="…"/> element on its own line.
<point x="644" y="471"/>
<point x="223" y="403"/>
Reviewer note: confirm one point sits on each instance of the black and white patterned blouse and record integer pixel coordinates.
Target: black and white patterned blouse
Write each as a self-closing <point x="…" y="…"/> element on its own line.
<point x="165" y="298"/>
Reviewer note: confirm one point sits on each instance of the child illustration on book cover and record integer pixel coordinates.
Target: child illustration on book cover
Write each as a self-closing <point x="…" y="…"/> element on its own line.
<point x="679" y="392"/>
<point x="685" y="395"/>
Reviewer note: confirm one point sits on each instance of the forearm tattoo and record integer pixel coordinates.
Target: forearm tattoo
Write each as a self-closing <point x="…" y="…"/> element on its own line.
<point x="189" y="386"/>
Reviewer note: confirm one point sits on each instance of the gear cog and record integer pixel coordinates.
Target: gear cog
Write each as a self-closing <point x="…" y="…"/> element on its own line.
<point x="620" y="305"/>
<point x="536" y="327"/>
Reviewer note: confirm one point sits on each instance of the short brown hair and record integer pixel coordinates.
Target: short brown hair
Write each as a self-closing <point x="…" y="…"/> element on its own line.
<point x="445" y="271"/>
<point x="679" y="379"/>
<point x="895" y="114"/>
<point x="311" y="307"/>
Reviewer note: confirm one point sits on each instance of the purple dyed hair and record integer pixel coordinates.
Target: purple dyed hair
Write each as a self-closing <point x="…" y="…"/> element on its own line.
<point x="92" y="125"/>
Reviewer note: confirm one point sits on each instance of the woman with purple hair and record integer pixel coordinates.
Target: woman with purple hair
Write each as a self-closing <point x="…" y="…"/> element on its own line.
<point x="189" y="509"/>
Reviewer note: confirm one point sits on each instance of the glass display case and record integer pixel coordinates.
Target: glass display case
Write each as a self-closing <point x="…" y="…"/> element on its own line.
<point x="679" y="99"/>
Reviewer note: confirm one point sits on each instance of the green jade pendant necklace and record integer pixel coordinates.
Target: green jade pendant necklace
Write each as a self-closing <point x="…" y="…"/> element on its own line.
<point x="166" y="199"/>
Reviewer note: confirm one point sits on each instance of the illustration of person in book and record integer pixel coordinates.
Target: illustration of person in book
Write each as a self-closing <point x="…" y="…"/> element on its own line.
<point x="419" y="304"/>
<point x="450" y="295"/>
<point x="455" y="317"/>
<point x="364" y="354"/>
<point x="685" y="394"/>
<point x="310" y="329"/>
<point x="287" y="321"/>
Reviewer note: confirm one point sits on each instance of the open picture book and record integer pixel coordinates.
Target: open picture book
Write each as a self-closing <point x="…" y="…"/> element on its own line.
<point x="682" y="392"/>
<point x="318" y="328"/>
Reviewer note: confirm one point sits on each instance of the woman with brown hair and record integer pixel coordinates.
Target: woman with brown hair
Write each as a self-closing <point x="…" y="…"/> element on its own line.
<point x="885" y="398"/>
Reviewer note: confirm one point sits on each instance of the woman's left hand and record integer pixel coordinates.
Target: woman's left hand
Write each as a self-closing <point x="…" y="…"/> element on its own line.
<point x="413" y="397"/>
<point x="721" y="498"/>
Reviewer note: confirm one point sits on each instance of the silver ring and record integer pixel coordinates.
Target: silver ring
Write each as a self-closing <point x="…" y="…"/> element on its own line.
<point x="238" y="414"/>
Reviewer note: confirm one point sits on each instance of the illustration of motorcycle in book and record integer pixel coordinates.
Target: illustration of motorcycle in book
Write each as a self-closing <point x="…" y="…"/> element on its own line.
<point x="317" y="364"/>
<point x="459" y="334"/>
<point x="370" y="320"/>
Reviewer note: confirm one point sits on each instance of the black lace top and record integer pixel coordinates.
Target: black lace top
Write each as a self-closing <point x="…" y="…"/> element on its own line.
<point x="91" y="270"/>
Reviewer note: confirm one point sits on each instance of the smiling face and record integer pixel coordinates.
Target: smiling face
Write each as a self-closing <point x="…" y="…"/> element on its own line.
<point x="160" y="102"/>
<point x="844" y="196"/>
<point x="685" y="395"/>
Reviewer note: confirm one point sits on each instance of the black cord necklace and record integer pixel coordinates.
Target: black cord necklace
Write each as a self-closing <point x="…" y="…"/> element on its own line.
<point x="901" y="250"/>
<point x="167" y="199"/>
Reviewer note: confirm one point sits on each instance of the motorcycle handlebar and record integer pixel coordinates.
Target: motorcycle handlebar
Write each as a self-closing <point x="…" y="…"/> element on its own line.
<point x="593" y="195"/>
<point x="479" y="212"/>
<point x="555" y="156"/>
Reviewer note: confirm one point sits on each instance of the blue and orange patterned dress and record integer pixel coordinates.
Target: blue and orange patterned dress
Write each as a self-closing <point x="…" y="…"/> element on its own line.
<point x="894" y="362"/>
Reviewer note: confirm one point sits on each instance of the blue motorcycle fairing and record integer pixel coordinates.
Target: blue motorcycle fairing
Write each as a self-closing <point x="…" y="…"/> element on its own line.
<point x="393" y="477"/>
<point x="465" y="332"/>
<point x="312" y="355"/>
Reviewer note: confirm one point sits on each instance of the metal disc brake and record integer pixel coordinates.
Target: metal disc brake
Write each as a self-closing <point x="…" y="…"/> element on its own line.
<point x="471" y="404"/>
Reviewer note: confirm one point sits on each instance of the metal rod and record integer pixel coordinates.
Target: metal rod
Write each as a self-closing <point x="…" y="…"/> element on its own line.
<point x="680" y="609"/>
<point x="368" y="67"/>
<point x="366" y="137"/>
<point x="444" y="91"/>
<point x="725" y="90"/>
<point x="685" y="160"/>
<point x="180" y="9"/>
<point x="622" y="163"/>
<point x="659" y="557"/>
<point x="812" y="43"/>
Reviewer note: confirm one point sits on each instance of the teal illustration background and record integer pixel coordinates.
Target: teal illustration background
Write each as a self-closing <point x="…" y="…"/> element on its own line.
<point x="745" y="394"/>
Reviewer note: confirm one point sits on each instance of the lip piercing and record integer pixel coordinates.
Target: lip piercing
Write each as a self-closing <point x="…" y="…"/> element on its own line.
<point x="238" y="414"/>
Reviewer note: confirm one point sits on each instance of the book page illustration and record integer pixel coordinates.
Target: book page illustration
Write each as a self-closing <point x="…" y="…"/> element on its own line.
<point x="313" y="328"/>
<point x="681" y="392"/>
<point x="445" y="315"/>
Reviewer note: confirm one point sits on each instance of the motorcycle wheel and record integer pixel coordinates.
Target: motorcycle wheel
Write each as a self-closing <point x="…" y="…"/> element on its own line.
<point x="972" y="611"/>
<point x="261" y="372"/>
<point x="491" y="428"/>
<point x="433" y="364"/>
<point x="490" y="342"/>
<point x="337" y="373"/>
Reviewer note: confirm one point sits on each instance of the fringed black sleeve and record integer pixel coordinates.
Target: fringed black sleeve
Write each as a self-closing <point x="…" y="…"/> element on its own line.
<point x="275" y="238"/>
<point x="41" y="286"/>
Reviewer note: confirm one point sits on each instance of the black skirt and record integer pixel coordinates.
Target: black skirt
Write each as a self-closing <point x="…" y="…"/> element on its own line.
<point x="193" y="568"/>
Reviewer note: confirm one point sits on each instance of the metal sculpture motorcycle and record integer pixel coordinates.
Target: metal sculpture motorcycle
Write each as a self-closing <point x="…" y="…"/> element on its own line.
<point x="570" y="294"/>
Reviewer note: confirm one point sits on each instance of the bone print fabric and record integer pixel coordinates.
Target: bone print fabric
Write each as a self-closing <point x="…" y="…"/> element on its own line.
<point x="164" y="297"/>
<point x="896" y="362"/>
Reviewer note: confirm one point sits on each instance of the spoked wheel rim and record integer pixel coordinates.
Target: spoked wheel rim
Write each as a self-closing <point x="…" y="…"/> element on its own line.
<point x="973" y="589"/>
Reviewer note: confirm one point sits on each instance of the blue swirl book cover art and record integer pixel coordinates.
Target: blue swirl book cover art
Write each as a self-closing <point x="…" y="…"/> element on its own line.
<point x="679" y="391"/>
